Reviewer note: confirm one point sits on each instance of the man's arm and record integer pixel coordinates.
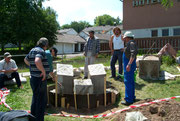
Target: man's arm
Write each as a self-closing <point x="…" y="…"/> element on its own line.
<point x="26" y="61"/>
<point x="39" y="65"/>
<point x="111" y="44"/>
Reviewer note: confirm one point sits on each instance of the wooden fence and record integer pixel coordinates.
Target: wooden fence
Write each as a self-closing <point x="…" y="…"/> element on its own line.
<point x="144" y="44"/>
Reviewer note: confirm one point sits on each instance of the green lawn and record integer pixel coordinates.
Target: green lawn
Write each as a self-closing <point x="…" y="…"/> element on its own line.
<point x="21" y="99"/>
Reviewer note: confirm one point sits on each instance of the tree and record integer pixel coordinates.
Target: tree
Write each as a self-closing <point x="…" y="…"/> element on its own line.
<point x="106" y="20"/>
<point x="25" y="21"/>
<point x="77" y="26"/>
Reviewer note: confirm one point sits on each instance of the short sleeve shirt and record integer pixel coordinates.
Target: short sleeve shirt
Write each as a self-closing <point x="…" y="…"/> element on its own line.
<point x="7" y="66"/>
<point x="40" y="53"/>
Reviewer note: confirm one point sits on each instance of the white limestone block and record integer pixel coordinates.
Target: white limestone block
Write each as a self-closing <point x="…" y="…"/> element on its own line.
<point x="83" y="86"/>
<point x="64" y="70"/>
<point x="96" y="69"/>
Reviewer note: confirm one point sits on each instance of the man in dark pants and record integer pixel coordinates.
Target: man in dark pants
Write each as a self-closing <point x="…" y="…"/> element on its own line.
<point x="39" y="70"/>
<point x="116" y="45"/>
<point x="8" y="70"/>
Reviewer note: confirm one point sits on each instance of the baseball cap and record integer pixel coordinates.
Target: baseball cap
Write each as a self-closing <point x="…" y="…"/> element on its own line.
<point x="128" y="34"/>
<point x="7" y="55"/>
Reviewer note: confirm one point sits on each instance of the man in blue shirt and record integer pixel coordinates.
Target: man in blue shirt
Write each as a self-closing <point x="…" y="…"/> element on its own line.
<point x="39" y="70"/>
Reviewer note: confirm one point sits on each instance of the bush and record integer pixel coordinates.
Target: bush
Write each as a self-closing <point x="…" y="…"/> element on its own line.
<point x="168" y="60"/>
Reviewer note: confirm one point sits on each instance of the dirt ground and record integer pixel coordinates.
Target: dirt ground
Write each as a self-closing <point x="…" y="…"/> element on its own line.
<point x="162" y="111"/>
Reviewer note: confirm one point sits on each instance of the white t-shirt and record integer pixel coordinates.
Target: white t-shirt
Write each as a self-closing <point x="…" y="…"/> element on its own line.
<point x="7" y="66"/>
<point x="118" y="43"/>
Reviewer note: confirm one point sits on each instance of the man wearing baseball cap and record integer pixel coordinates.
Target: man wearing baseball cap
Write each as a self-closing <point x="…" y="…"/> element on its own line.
<point x="129" y="59"/>
<point x="8" y="70"/>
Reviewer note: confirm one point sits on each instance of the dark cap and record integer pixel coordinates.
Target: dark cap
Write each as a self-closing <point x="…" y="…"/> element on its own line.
<point x="7" y="55"/>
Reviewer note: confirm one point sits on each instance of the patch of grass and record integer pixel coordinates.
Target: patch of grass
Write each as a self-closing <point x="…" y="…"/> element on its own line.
<point x="21" y="98"/>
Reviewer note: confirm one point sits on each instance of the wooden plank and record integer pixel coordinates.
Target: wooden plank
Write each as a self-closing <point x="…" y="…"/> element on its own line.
<point x="97" y="103"/>
<point x="88" y="101"/>
<point x="105" y="91"/>
<point x="75" y="101"/>
<point x="63" y="102"/>
<point x="56" y="94"/>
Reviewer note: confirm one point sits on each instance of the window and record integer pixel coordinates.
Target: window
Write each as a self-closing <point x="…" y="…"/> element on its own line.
<point x="137" y="2"/>
<point x="153" y="1"/>
<point x="154" y="33"/>
<point x="147" y="1"/>
<point x="176" y="31"/>
<point x="165" y="32"/>
<point x="141" y="2"/>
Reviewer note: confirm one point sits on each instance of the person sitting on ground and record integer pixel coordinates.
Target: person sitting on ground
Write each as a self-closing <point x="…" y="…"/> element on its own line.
<point x="169" y="50"/>
<point x="8" y="70"/>
<point x="52" y="52"/>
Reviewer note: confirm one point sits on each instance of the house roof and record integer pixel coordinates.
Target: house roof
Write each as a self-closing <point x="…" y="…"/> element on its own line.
<point x="64" y="30"/>
<point x="103" y="36"/>
<point x="66" y="38"/>
<point x="101" y="28"/>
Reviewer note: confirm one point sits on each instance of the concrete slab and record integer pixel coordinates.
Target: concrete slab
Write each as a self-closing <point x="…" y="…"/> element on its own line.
<point x="64" y="70"/>
<point x="97" y="74"/>
<point x="65" y="78"/>
<point x="149" y="68"/>
<point x="83" y="87"/>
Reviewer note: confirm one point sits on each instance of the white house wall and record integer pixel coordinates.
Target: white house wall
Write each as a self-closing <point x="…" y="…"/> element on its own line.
<point x="146" y="33"/>
<point x="64" y="48"/>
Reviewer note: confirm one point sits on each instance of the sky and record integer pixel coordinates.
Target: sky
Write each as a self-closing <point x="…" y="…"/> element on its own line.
<point x="84" y="10"/>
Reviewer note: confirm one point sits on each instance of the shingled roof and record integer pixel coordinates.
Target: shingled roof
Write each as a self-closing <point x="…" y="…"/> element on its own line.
<point x="73" y="39"/>
<point x="103" y="36"/>
<point x="101" y="28"/>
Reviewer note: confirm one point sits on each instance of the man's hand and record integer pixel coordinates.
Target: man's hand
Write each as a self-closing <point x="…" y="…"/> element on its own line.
<point x="43" y="74"/>
<point x="112" y="51"/>
<point x="128" y="68"/>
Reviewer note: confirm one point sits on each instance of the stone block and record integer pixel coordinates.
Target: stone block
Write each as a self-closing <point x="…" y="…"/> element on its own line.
<point x="97" y="75"/>
<point x="149" y="68"/>
<point x="65" y="78"/>
<point x="83" y="87"/>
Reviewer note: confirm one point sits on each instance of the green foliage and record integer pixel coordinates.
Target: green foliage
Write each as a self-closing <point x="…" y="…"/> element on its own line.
<point x="25" y="21"/>
<point x="77" y="26"/>
<point x="167" y="3"/>
<point x="168" y="60"/>
<point x="106" y="20"/>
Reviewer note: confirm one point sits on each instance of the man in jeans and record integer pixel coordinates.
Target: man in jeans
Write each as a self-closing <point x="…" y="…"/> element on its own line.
<point x="8" y="70"/>
<point x="39" y="70"/>
<point x="91" y="50"/>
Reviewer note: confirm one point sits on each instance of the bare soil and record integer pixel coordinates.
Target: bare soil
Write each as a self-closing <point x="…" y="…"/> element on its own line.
<point x="162" y="111"/>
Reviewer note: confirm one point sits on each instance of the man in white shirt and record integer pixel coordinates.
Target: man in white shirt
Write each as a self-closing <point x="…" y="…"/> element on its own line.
<point x="8" y="70"/>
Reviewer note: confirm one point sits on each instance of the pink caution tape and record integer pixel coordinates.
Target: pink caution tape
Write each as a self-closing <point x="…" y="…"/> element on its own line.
<point x="118" y="111"/>
<point x="3" y="93"/>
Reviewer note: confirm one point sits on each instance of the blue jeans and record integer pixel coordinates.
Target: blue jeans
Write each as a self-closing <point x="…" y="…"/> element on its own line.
<point x="117" y="55"/>
<point x="39" y="99"/>
<point x="129" y="80"/>
<point x="3" y="77"/>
